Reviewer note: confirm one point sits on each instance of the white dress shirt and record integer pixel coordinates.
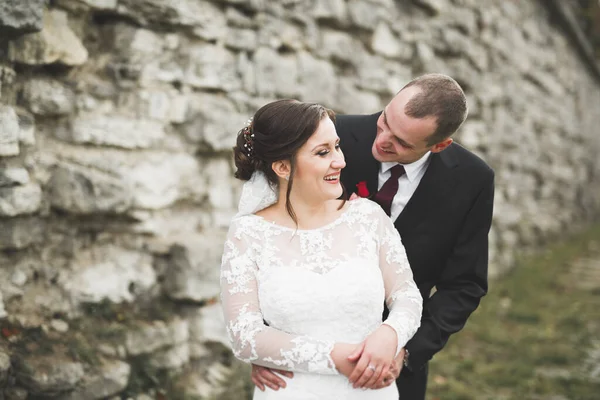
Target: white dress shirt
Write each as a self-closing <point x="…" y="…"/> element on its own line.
<point x="407" y="183"/>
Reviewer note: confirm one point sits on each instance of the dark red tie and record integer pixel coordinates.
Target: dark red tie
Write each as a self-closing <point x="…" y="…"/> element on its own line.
<point x="389" y="189"/>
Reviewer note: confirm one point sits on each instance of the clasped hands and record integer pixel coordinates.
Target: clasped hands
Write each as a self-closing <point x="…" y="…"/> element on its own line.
<point x="368" y="365"/>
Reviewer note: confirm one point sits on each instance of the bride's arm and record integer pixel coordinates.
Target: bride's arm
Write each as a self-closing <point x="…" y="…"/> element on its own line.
<point x="265" y="376"/>
<point x="404" y="302"/>
<point x="254" y="342"/>
<point x="403" y="298"/>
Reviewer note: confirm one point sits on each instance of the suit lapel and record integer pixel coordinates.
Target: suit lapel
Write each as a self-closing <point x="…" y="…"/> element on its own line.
<point x="432" y="189"/>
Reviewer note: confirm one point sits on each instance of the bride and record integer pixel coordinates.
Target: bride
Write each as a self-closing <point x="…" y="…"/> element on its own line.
<point x="304" y="275"/>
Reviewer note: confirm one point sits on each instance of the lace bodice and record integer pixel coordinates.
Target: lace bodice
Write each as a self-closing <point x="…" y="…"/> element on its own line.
<point x="315" y="287"/>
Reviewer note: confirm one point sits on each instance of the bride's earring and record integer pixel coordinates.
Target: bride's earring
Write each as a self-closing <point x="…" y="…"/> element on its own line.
<point x="287" y="177"/>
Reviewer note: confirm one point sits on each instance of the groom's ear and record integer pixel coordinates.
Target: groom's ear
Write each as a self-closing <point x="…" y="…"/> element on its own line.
<point x="441" y="145"/>
<point x="282" y="168"/>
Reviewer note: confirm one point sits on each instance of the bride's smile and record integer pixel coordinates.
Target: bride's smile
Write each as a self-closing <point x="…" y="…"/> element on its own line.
<point x="318" y="165"/>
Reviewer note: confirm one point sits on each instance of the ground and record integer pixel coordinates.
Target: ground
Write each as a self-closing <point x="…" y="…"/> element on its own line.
<point x="535" y="336"/>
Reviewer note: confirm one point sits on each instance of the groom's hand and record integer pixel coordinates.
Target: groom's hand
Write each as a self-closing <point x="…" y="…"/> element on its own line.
<point x="263" y="376"/>
<point x="393" y="372"/>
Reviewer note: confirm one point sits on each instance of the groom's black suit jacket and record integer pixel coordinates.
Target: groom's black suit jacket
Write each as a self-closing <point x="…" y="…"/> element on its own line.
<point x="444" y="228"/>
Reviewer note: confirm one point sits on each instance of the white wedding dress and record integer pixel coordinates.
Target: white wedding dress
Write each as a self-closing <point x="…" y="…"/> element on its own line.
<point x="314" y="288"/>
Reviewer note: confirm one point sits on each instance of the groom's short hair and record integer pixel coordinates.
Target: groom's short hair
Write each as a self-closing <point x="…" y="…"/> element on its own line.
<point x="441" y="97"/>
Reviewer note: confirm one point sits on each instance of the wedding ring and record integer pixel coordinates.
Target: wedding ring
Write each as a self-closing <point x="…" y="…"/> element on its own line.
<point x="371" y="367"/>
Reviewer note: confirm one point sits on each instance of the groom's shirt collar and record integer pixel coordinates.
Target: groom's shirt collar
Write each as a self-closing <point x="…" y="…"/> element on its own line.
<point x="412" y="170"/>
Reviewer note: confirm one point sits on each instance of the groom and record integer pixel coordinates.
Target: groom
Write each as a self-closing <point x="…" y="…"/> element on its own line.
<point x="440" y="197"/>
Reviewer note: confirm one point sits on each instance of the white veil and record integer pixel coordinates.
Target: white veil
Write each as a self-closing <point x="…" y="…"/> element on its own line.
<point x="257" y="194"/>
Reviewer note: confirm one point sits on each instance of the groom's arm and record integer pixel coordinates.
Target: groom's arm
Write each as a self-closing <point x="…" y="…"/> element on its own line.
<point x="462" y="283"/>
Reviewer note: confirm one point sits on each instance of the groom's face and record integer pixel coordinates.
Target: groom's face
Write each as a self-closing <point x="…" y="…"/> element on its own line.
<point x="401" y="138"/>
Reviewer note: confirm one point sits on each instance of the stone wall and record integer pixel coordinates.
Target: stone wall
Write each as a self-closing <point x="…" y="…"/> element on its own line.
<point x="116" y="123"/>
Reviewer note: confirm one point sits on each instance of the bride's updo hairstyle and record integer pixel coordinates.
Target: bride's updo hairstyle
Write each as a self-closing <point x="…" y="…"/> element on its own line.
<point x="276" y="132"/>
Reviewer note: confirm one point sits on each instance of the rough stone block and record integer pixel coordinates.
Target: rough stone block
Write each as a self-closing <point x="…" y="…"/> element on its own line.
<point x="339" y="46"/>
<point x="113" y="130"/>
<point x="213" y="380"/>
<point x="157" y="335"/>
<point x="26" y="128"/>
<point x="211" y="23"/>
<point x="48" y="97"/>
<point x="213" y="121"/>
<point x="20" y="200"/>
<point x="384" y="42"/>
<point x="546" y="82"/>
<point x="136" y="45"/>
<point x="9" y="131"/>
<point x="200" y="14"/>
<point x="192" y="269"/>
<point x="145" y="55"/>
<point x="241" y="39"/>
<point x="160" y="105"/>
<point x="220" y="195"/>
<point x="434" y="7"/>
<point x="465" y="18"/>
<point x="161" y="179"/>
<point x="19" y="17"/>
<point x="101" y="4"/>
<point x="331" y="9"/>
<point x="317" y="79"/>
<point x="352" y="100"/>
<point x="275" y="74"/>
<point x="47" y="376"/>
<point x="19" y="233"/>
<point x="172" y="358"/>
<point x="13" y="177"/>
<point x="55" y="43"/>
<point x="154" y="180"/>
<point x="208" y="325"/>
<point x="108" y="273"/>
<point x="81" y="190"/>
<point x="7" y="76"/>
<point x="365" y="14"/>
<point x="110" y="379"/>
<point x="425" y="58"/>
<point x="456" y="44"/>
<point x="380" y="75"/>
<point x="212" y="67"/>
<point x="277" y="33"/>
<point x="473" y="134"/>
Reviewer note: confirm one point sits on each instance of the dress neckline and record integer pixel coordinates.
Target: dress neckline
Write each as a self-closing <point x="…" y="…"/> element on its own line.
<point x="336" y="221"/>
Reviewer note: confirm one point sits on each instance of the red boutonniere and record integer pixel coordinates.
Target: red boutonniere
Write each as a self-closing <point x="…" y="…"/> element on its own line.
<point x="363" y="191"/>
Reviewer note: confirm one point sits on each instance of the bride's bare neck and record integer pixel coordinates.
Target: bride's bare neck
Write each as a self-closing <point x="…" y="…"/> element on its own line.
<point x="308" y="216"/>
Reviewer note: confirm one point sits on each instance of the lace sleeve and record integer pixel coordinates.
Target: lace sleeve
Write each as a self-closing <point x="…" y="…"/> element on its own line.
<point x="402" y="295"/>
<point x="252" y="341"/>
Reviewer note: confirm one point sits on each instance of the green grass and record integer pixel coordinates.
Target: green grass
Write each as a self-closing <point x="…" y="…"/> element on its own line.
<point x="531" y="335"/>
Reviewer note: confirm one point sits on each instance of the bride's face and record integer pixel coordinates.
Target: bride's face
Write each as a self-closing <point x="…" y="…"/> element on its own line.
<point x="319" y="163"/>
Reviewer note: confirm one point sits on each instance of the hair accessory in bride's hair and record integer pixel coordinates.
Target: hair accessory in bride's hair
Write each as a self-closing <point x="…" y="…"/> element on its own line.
<point x="249" y="138"/>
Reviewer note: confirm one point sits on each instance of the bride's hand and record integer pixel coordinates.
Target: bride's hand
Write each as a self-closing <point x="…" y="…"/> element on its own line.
<point x="374" y="359"/>
<point x="340" y="356"/>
